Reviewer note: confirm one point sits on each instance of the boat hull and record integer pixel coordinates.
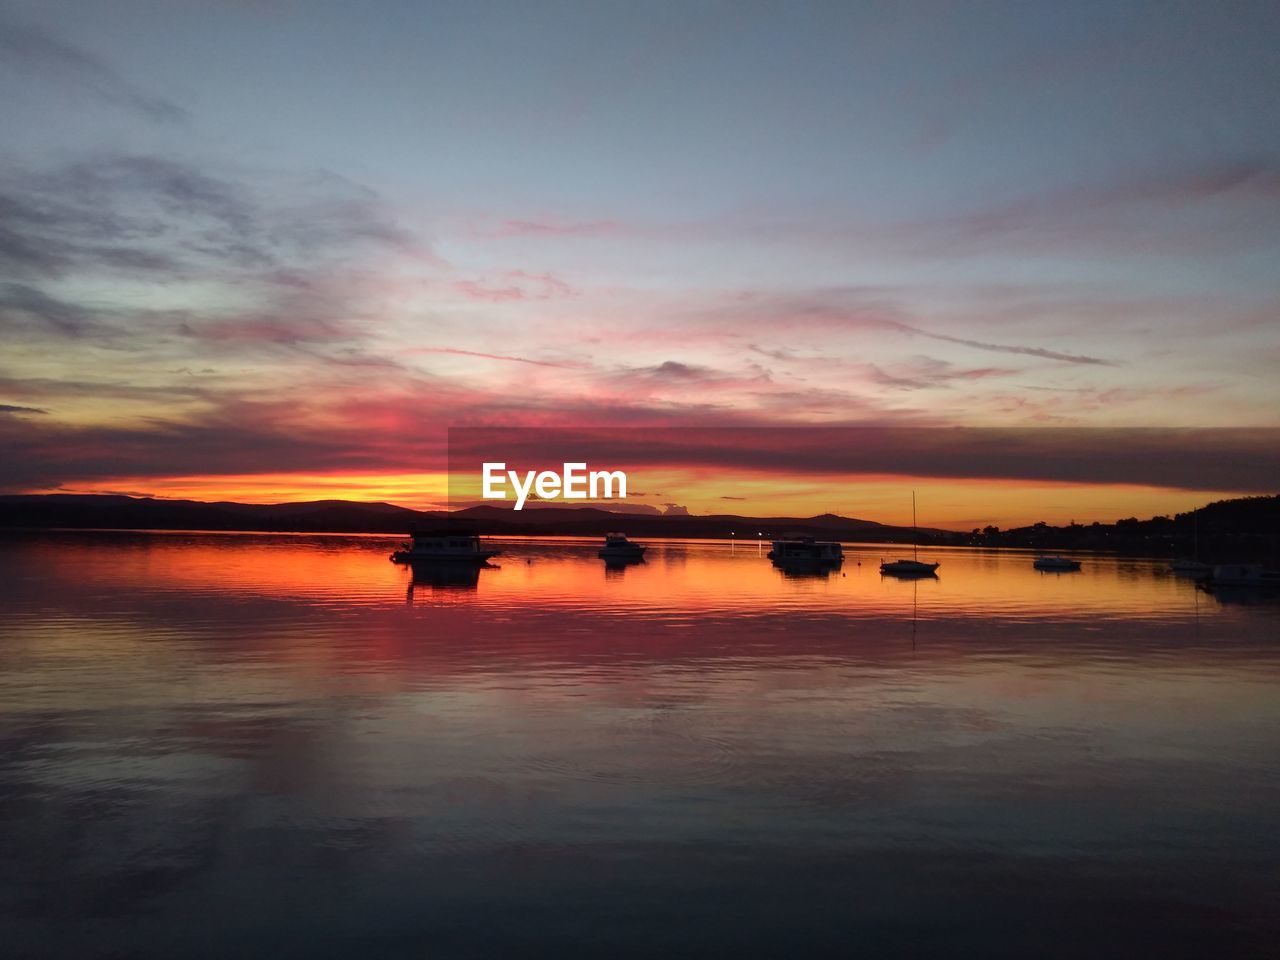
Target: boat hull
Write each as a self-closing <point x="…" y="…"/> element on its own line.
<point x="608" y="553"/>
<point x="1057" y="566"/>
<point x="452" y="559"/>
<point x="909" y="568"/>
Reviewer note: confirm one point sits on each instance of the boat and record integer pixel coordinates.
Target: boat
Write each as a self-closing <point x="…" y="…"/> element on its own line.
<point x="1056" y="563"/>
<point x="1243" y="575"/>
<point x="618" y="548"/>
<point x="806" y="552"/>
<point x="1192" y="566"/>
<point x="444" y="546"/>
<point x="908" y="568"/>
<point x="915" y="567"/>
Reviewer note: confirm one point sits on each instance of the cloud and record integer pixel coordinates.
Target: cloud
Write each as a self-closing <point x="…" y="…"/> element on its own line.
<point x="555" y="227"/>
<point x="487" y="356"/>
<point x="674" y="370"/>
<point x="927" y="373"/>
<point x="22" y="306"/>
<point x="1193" y="459"/>
<point x="14" y="408"/>
<point x="516" y="285"/>
<point x="169" y="220"/>
<point x="76" y="68"/>
<point x="848" y="310"/>
<point x="1009" y="348"/>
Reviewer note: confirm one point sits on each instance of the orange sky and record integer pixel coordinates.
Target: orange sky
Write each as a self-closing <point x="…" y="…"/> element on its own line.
<point x="950" y="504"/>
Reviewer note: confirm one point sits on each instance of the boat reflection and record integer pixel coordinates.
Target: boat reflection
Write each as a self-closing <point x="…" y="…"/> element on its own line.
<point x="801" y="571"/>
<point x="1246" y="595"/>
<point x="444" y="575"/>
<point x="616" y="567"/>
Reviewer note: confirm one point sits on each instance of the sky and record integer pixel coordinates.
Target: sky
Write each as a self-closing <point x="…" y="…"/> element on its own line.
<point x="274" y="250"/>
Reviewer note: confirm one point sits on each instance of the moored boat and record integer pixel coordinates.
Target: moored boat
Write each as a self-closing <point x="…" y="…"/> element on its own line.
<point x="806" y="552"/>
<point x="908" y="568"/>
<point x="915" y="567"/>
<point x="1192" y="566"/>
<point x="1243" y="575"/>
<point x="1056" y="563"/>
<point x="618" y="548"/>
<point x="444" y="545"/>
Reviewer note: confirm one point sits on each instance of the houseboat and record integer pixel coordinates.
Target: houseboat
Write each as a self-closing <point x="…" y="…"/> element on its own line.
<point x="806" y="552"/>
<point x="443" y="546"/>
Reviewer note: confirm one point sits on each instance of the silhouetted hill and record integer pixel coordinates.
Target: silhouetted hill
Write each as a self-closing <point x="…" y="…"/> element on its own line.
<point x="589" y="521"/>
<point x="1221" y="531"/>
<point x="143" y="513"/>
<point x="343" y="516"/>
<point x="1225" y="530"/>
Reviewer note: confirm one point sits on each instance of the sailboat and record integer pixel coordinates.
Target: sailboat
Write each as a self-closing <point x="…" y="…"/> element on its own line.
<point x="914" y="567"/>
<point x="1193" y="567"/>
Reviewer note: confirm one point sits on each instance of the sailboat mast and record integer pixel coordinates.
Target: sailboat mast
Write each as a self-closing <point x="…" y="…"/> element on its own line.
<point x="915" y="537"/>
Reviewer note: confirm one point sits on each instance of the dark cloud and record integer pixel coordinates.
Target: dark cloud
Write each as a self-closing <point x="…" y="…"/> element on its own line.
<point x="169" y="220"/>
<point x="23" y="306"/>
<point x="675" y="370"/>
<point x="27" y="47"/>
<point x="14" y="408"/>
<point x="1229" y="459"/>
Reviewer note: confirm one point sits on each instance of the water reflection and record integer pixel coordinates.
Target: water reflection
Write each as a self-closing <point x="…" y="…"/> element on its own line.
<point x="442" y="574"/>
<point x="216" y="744"/>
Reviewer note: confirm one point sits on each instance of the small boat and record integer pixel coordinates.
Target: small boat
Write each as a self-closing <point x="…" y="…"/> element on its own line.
<point x="915" y="567"/>
<point x="1243" y="575"/>
<point x="443" y="546"/>
<point x="1192" y="566"/>
<point x="1056" y="563"/>
<point x="795" y="552"/>
<point x="908" y="568"/>
<point x="618" y="548"/>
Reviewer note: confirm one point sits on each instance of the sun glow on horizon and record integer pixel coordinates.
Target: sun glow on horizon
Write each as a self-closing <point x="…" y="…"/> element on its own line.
<point x="955" y="504"/>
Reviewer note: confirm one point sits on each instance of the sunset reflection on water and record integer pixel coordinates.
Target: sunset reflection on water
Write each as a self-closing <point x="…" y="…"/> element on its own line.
<point x="283" y="738"/>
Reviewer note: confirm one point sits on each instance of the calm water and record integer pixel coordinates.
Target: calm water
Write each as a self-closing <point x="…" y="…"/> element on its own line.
<point x="278" y="746"/>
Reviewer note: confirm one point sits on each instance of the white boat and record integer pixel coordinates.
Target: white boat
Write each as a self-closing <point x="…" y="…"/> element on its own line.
<point x="915" y="567"/>
<point x="1243" y="575"/>
<point x="618" y="547"/>
<point x="1192" y="566"/>
<point x="806" y="552"/>
<point x="443" y="546"/>
<point x="1056" y="563"/>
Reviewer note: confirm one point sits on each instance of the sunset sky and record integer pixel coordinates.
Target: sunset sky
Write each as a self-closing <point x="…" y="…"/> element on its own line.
<point x="273" y="250"/>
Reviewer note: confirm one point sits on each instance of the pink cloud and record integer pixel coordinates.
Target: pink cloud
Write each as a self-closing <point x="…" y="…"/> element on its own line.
<point x="517" y="285"/>
<point x="556" y="227"/>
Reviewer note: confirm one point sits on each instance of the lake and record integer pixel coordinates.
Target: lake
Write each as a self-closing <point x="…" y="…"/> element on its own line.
<point x="280" y="746"/>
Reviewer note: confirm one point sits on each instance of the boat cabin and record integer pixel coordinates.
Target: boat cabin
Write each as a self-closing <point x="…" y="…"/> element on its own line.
<point x="806" y="550"/>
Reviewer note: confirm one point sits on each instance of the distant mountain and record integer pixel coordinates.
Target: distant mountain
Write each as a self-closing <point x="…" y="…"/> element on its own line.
<point x="83" y="511"/>
<point x="141" y="513"/>
<point x="1225" y="530"/>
